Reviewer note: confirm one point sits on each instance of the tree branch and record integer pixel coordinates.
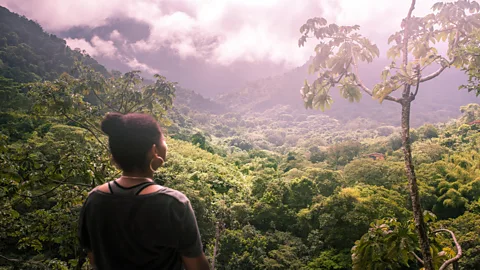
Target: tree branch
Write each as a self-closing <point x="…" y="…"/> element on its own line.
<point x="72" y="184"/>
<point x="443" y="67"/>
<point x="10" y="260"/>
<point x="81" y="124"/>
<point x="418" y="83"/>
<point x="416" y="257"/>
<point x="365" y="88"/>
<point x="104" y="102"/>
<point x="438" y="72"/>
<point x="141" y="103"/>
<point x="85" y="127"/>
<point x="457" y="245"/>
<point x="40" y="195"/>
<point x="406" y="35"/>
<point x="24" y="262"/>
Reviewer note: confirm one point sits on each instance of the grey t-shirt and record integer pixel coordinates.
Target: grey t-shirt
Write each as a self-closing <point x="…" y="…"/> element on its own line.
<point x="150" y="231"/>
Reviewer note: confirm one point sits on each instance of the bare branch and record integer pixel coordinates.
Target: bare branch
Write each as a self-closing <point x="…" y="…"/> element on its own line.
<point x="103" y="101"/>
<point x="443" y="67"/>
<point x="85" y="127"/>
<point x="457" y="245"/>
<point x="17" y="261"/>
<point x="141" y="103"/>
<point x="343" y="74"/>
<point x="365" y="88"/>
<point x="72" y="184"/>
<point x="418" y="83"/>
<point x="10" y="260"/>
<point x="438" y="72"/>
<point x="40" y="195"/>
<point x="406" y="35"/>
<point x="416" y="257"/>
<point x="81" y="124"/>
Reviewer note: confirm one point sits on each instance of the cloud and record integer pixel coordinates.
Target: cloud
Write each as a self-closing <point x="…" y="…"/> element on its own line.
<point x="134" y="64"/>
<point x="106" y="48"/>
<point x="95" y="47"/>
<point x="116" y="36"/>
<point x="81" y="44"/>
<point x="217" y="31"/>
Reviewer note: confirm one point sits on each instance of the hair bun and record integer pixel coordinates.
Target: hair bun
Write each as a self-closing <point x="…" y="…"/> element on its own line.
<point x="112" y="124"/>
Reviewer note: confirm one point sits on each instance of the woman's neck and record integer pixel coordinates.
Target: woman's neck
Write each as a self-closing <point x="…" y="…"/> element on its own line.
<point x="138" y="175"/>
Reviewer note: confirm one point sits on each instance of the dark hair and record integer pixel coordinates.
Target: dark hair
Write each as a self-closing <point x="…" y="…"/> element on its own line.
<point x="130" y="137"/>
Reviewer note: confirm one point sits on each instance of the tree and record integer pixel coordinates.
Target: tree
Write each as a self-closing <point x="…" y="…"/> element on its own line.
<point x="391" y="244"/>
<point x="83" y="99"/>
<point x="471" y="112"/>
<point x="47" y="171"/>
<point x="342" y="48"/>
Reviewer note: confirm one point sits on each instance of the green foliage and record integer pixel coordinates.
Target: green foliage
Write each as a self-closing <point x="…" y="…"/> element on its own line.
<point x="471" y="112"/>
<point x="343" y="217"/>
<point x="467" y="228"/>
<point x="330" y="260"/>
<point x="388" y="174"/>
<point x="428" y="152"/>
<point x="29" y="54"/>
<point x="291" y="190"/>
<point x="340" y="47"/>
<point x="11" y="97"/>
<point x="388" y="244"/>
<point x="342" y="153"/>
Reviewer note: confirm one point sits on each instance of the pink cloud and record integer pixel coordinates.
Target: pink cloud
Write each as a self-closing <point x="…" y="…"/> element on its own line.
<point x="134" y="64"/>
<point x="81" y="44"/>
<point x="219" y="31"/>
<point x="95" y="47"/>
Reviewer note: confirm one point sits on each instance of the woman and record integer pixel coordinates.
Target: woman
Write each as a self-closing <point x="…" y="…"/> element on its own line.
<point x="131" y="222"/>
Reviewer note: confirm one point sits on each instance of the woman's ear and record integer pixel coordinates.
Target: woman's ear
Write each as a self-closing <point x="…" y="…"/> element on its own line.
<point x="153" y="150"/>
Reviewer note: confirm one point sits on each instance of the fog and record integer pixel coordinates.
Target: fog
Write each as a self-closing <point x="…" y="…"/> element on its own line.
<point x="211" y="47"/>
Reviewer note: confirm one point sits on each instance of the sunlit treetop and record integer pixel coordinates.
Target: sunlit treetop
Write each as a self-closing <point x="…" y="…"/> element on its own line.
<point x="341" y="49"/>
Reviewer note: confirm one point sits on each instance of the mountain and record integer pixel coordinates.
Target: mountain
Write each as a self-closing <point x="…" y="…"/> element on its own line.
<point x="27" y="53"/>
<point x="437" y="101"/>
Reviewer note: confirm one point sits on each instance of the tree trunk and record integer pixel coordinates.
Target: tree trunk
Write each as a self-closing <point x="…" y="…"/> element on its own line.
<point x="215" y="249"/>
<point x="412" y="182"/>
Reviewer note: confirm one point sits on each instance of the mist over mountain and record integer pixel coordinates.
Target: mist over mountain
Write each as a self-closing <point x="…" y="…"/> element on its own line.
<point x="210" y="47"/>
<point x="438" y="100"/>
<point x="245" y="85"/>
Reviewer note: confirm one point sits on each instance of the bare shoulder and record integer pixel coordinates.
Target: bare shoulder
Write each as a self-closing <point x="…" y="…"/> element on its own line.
<point x="150" y="189"/>
<point x="103" y="188"/>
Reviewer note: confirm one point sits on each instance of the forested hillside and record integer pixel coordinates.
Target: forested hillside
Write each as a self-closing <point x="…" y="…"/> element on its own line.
<point x="27" y="53"/>
<point x="272" y="186"/>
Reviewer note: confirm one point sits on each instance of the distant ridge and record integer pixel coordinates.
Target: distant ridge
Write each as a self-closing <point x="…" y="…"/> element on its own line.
<point x="27" y="53"/>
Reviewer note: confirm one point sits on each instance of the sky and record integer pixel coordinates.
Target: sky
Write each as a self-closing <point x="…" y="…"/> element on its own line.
<point x="205" y="44"/>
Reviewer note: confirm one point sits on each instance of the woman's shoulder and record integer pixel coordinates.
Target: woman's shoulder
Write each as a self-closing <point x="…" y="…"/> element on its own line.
<point x="162" y="192"/>
<point x="174" y="194"/>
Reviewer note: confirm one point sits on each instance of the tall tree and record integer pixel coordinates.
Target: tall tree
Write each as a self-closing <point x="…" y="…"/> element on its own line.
<point x="342" y="48"/>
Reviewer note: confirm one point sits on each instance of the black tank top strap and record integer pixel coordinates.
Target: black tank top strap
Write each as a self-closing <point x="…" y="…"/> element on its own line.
<point x="110" y="188"/>
<point x="139" y="189"/>
<point x="116" y="188"/>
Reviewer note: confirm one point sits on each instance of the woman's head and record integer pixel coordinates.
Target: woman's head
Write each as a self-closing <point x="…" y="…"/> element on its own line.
<point x="134" y="139"/>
